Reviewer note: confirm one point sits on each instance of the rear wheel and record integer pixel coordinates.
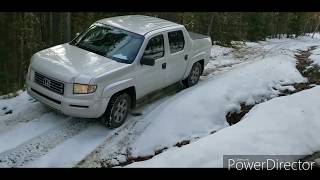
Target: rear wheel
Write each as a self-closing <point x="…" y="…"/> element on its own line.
<point x="117" y="110"/>
<point x="193" y="76"/>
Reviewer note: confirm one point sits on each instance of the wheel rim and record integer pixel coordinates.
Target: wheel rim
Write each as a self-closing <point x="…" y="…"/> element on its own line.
<point x="120" y="111"/>
<point x="195" y="74"/>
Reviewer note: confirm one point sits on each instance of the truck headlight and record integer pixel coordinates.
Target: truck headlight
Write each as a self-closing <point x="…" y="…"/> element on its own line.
<point x="84" y="88"/>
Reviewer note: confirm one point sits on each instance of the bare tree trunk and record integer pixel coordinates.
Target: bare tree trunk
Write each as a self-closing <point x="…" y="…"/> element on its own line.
<point x="305" y="27"/>
<point x="51" y="27"/>
<point x="210" y="25"/>
<point x="67" y="33"/>
<point x="6" y="67"/>
<point x="21" y="48"/>
<point x="20" y="65"/>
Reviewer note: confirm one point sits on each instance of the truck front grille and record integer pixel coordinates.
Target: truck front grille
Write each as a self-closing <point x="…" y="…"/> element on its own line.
<point x="49" y="83"/>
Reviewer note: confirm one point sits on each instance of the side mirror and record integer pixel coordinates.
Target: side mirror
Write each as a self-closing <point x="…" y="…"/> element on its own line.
<point x="147" y="61"/>
<point x="77" y="34"/>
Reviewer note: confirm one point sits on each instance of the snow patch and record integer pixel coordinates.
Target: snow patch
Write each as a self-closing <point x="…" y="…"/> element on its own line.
<point x="315" y="57"/>
<point x="217" y="50"/>
<point x="199" y="110"/>
<point x="286" y="125"/>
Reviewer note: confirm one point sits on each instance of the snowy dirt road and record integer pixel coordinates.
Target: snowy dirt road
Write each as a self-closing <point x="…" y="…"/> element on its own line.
<point x="40" y="137"/>
<point x="32" y="135"/>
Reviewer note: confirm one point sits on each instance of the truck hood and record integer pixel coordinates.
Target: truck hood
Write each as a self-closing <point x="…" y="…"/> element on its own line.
<point x="72" y="64"/>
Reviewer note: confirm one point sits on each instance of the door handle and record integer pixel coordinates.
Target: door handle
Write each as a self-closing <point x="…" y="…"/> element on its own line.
<point x="186" y="57"/>
<point x="164" y="65"/>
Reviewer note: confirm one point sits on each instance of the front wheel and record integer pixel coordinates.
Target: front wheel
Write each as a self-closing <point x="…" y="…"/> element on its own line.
<point x="193" y="76"/>
<point x="117" y="110"/>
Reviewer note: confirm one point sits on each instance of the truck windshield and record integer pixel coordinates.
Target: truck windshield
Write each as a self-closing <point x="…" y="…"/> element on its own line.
<point x="111" y="42"/>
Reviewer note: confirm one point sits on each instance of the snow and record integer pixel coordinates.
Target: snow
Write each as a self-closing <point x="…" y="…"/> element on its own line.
<point x="200" y="110"/>
<point x="315" y="56"/>
<point x="217" y="51"/>
<point x="286" y="125"/>
<point x="10" y="95"/>
<point x="23" y="132"/>
<point x="7" y="104"/>
<point x="316" y="35"/>
<point x="19" y="109"/>
<point x="287" y="46"/>
<point x="221" y="56"/>
<point x="220" y="61"/>
<point x="76" y="149"/>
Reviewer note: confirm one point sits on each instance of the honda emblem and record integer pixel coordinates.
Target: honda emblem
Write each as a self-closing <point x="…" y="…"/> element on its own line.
<point x="46" y="82"/>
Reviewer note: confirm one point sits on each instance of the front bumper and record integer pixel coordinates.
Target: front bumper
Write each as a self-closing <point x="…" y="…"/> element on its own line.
<point x="77" y="107"/>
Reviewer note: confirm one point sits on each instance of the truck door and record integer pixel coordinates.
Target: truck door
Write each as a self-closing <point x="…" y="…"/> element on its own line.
<point x="151" y="78"/>
<point x="177" y="58"/>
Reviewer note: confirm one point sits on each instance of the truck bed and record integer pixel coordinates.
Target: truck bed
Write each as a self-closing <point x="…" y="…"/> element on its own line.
<point x="195" y="36"/>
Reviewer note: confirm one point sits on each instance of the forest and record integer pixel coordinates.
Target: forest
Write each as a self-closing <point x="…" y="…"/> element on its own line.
<point x="24" y="33"/>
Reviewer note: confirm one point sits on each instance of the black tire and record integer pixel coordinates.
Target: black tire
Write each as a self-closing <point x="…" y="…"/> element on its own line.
<point x="117" y="110"/>
<point x="194" y="75"/>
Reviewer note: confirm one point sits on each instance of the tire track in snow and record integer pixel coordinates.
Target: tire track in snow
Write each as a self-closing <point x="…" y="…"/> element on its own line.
<point x="16" y="135"/>
<point x="43" y="143"/>
<point x="114" y="148"/>
<point x="77" y="148"/>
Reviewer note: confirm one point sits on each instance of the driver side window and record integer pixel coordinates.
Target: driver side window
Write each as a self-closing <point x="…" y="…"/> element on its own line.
<point x="155" y="48"/>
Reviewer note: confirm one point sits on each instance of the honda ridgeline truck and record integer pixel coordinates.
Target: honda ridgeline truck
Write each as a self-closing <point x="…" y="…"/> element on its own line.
<point x="105" y="69"/>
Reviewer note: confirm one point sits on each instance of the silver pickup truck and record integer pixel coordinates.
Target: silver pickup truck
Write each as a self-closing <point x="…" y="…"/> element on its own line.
<point x="105" y="69"/>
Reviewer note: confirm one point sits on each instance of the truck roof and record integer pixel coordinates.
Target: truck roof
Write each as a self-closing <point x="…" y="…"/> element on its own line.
<point x="138" y="24"/>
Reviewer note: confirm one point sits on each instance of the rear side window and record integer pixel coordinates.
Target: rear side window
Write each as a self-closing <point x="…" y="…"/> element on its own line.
<point x="155" y="48"/>
<point x="176" y="41"/>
